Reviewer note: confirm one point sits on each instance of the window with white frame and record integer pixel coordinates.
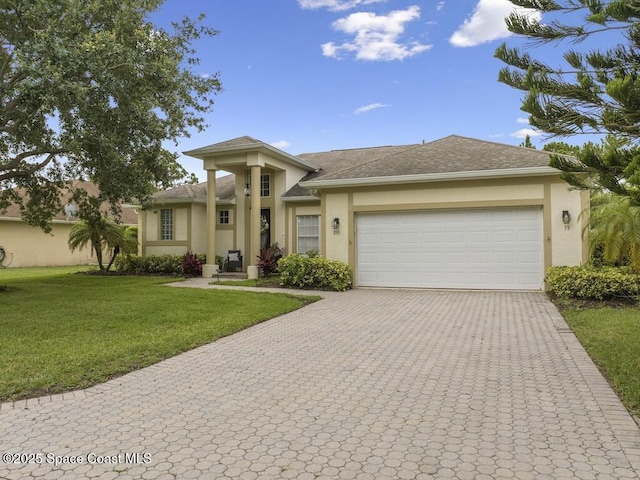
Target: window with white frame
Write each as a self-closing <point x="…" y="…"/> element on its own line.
<point x="223" y="217"/>
<point x="265" y="186"/>
<point x="166" y="224"/>
<point x="308" y="233"/>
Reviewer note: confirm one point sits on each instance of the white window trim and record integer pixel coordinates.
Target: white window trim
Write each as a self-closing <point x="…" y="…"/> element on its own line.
<point x="228" y="222"/>
<point x="268" y="178"/>
<point x="298" y="236"/>
<point x="163" y="229"/>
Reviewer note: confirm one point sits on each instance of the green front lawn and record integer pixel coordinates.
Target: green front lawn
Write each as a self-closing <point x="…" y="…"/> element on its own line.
<point x="611" y="336"/>
<point x="270" y="282"/>
<point x="63" y="331"/>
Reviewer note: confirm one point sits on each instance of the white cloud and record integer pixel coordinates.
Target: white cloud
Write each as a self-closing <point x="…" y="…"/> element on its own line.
<point x="376" y="37"/>
<point x="524" y="121"/>
<point x="440" y="6"/>
<point x="335" y="5"/>
<point x="280" y="144"/>
<point x="496" y="135"/>
<point x="523" y="132"/>
<point x="487" y="23"/>
<point x="368" y="108"/>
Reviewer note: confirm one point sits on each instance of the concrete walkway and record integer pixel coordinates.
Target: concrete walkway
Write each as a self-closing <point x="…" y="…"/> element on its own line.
<point x="368" y="384"/>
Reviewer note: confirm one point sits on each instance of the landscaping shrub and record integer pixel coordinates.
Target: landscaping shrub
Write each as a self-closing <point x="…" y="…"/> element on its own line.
<point x="151" y="264"/>
<point x="590" y="283"/>
<point x="191" y="265"/>
<point x="315" y="272"/>
<point x="268" y="259"/>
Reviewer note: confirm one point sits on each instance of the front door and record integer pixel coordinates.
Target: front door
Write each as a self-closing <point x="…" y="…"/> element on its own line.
<point x="265" y="227"/>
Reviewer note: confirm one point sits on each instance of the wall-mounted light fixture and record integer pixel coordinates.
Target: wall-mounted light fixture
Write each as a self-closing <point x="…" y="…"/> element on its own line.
<point x="247" y="187"/>
<point x="335" y="224"/>
<point x="566" y="219"/>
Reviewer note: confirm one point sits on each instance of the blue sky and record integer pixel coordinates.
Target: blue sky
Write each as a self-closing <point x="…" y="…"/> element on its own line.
<point x="317" y="75"/>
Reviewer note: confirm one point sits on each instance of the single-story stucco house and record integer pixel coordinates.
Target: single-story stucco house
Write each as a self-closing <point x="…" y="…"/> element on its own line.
<point x="452" y="213"/>
<point x="27" y="246"/>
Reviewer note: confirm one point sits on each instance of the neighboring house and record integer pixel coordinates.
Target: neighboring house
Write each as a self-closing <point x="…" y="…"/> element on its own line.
<point x="452" y="213"/>
<point x="28" y="246"/>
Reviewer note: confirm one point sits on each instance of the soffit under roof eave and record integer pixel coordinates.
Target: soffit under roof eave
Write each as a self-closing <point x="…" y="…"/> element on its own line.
<point x="432" y="177"/>
<point x="300" y="198"/>
<point x="202" y="153"/>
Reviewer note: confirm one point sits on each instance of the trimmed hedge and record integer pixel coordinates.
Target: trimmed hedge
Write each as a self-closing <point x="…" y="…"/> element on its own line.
<point x="157" y="264"/>
<point x="591" y="283"/>
<point x="314" y="272"/>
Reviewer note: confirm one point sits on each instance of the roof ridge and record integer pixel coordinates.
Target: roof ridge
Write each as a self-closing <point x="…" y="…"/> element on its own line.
<point x="492" y="142"/>
<point x="357" y="148"/>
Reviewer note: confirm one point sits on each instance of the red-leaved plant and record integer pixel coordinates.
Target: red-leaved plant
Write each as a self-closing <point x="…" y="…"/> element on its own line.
<point x="268" y="259"/>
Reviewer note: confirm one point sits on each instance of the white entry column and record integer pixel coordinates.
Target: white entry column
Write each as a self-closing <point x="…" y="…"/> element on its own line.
<point x="254" y="251"/>
<point x="211" y="267"/>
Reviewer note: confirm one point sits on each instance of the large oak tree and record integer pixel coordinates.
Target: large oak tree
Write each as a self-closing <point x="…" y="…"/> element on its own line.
<point x="92" y="89"/>
<point x="595" y="91"/>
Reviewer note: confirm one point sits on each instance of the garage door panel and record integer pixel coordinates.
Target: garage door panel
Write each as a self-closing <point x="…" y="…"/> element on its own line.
<point x="479" y="258"/>
<point x="484" y="248"/>
<point x="503" y="236"/>
<point x="507" y="258"/>
<point x="526" y="235"/>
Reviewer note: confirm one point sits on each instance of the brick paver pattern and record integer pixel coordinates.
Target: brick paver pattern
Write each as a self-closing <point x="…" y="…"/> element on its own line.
<point x="369" y="384"/>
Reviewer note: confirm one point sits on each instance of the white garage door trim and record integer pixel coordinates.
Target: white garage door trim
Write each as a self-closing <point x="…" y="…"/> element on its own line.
<point x="497" y="248"/>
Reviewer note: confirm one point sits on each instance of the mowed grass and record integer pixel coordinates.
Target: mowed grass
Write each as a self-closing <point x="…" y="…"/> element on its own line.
<point x="611" y="336"/>
<point x="61" y="331"/>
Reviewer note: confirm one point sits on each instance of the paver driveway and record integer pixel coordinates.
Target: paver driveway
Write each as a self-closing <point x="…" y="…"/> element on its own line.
<point x="370" y="384"/>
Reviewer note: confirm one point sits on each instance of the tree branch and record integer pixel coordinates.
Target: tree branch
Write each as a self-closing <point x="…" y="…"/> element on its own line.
<point x="19" y="168"/>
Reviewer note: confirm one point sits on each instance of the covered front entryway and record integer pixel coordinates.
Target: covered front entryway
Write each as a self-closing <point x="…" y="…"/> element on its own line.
<point x="498" y="248"/>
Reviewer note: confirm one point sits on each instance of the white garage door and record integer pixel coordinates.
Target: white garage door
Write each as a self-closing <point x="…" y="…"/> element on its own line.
<point x="499" y="248"/>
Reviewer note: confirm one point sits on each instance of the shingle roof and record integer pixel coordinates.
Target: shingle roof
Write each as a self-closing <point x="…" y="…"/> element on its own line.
<point x="128" y="216"/>
<point x="246" y="143"/>
<point x="447" y="155"/>
<point x="340" y="160"/>
<point x="225" y="191"/>
<point x="234" y="142"/>
<point x="225" y="187"/>
<point x="452" y="154"/>
<point x="187" y="192"/>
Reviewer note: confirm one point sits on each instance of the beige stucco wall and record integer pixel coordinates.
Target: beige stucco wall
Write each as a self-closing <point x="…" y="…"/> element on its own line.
<point x="434" y="195"/>
<point x="224" y="242"/>
<point x="293" y="209"/>
<point x="150" y="223"/>
<point x="284" y="175"/>
<point x="181" y="224"/>
<point x="149" y="231"/>
<point x="562" y="247"/>
<point x="332" y="242"/>
<point x="150" y="226"/>
<point x="165" y="249"/>
<point x="198" y="228"/>
<point x="564" y="240"/>
<point x="236" y="162"/>
<point x="31" y="247"/>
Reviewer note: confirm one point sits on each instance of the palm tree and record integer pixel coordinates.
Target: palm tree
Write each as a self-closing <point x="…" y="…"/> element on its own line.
<point x="614" y="228"/>
<point x="101" y="233"/>
<point x="130" y="240"/>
